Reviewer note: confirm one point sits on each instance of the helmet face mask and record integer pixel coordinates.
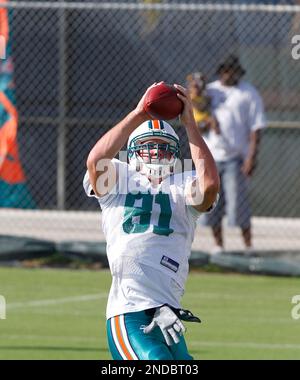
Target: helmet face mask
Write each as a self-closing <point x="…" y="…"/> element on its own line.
<point x="153" y="152"/>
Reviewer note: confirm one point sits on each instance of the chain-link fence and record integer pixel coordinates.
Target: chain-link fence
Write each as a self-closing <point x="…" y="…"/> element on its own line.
<point x="79" y="67"/>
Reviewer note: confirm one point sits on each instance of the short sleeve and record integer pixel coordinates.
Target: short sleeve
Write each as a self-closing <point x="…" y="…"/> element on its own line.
<point x="106" y="199"/>
<point x="87" y="186"/>
<point x="189" y="178"/>
<point x="257" y="118"/>
<point x="196" y="214"/>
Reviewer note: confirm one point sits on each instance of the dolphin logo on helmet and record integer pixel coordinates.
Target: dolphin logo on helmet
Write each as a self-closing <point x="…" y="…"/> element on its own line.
<point x="166" y="152"/>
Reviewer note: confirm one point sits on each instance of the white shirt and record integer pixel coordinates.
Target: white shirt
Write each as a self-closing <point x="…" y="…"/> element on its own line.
<point x="239" y="111"/>
<point x="149" y="238"/>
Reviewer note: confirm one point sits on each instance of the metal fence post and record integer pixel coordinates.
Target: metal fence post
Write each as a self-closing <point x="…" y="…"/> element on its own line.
<point x="61" y="135"/>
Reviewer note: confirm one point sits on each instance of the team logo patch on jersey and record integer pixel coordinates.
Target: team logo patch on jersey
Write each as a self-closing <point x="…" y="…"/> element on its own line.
<point x="169" y="263"/>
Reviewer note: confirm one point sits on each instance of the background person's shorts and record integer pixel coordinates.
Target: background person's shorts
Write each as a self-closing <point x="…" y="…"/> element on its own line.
<point x="234" y="199"/>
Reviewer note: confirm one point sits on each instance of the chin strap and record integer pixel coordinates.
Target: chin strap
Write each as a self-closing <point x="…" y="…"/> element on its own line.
<point x="156" y="170"/>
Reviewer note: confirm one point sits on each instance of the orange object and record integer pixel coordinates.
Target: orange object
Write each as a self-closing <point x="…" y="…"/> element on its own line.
<point x="4" y="26"/>
<point x="10" y="168"/>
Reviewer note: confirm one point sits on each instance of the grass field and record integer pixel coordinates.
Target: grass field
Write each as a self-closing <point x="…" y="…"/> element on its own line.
<point x="60" y="314"/>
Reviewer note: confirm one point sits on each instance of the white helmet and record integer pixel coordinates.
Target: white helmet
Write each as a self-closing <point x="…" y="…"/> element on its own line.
<point x="140" y="139"/>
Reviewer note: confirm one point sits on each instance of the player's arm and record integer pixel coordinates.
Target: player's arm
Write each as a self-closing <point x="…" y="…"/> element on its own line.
<point x="102" y="174"/>
<point x="205" y="187"/>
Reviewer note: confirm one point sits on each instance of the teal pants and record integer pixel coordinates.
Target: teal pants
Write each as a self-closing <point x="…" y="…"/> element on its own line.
<point x="127" y="340"/>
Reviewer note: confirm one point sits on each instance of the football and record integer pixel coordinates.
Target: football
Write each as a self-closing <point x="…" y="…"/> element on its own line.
<point x="162" y="103"/>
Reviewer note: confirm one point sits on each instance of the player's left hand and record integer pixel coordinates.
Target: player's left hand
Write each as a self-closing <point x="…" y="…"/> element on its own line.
<point x="171" y="326"/>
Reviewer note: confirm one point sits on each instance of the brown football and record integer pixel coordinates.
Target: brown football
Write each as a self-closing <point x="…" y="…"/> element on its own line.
<point x="162" y="102"/>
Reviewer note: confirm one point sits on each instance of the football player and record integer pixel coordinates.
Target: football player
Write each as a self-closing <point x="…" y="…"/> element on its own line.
<point x="149" y="214"/>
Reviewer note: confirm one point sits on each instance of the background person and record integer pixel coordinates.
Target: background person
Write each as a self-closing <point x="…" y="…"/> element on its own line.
<point x="239" y="110"/>
<point x="196" y="84"/>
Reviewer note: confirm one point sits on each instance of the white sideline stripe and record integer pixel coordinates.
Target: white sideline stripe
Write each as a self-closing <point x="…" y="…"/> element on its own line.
<point x="267" y="346"/>
<point x="53" y="337"/>
<point x="60" y="338"/>
<point x="56" y="301"/>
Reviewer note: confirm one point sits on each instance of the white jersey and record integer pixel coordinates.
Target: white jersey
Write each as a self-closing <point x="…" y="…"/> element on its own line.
<point x="149" y="235"/>
<point x="239" y="111"/>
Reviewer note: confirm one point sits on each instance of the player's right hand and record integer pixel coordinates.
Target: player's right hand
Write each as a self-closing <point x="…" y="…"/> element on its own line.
<point x="139" y="110"/>
<point x="171" y="326"/>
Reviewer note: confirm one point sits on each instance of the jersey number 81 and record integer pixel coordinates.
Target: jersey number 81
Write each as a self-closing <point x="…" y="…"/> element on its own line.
<point x="137" y="219"/>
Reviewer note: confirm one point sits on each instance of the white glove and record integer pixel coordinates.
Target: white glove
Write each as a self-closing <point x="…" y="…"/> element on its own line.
<point x="170" y="325"/>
